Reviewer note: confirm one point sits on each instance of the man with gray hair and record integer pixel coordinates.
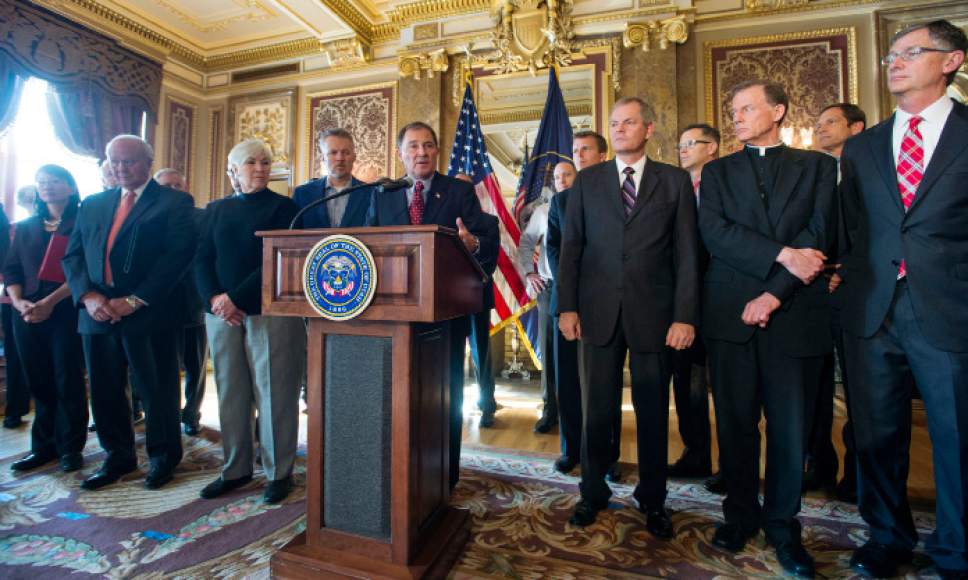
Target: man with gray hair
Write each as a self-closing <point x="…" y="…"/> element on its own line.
<point x="129" y="250"/>
<point x="339" y="155"/>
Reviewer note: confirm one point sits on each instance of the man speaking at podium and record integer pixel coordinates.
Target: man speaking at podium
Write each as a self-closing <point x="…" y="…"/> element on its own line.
<point x="435" y="198"/>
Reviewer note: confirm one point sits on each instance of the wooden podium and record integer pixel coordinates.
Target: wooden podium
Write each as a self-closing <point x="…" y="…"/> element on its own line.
<point x="377" y="487"/>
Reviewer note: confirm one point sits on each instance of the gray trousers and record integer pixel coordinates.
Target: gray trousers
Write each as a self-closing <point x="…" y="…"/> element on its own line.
<point x="258" y="366"/>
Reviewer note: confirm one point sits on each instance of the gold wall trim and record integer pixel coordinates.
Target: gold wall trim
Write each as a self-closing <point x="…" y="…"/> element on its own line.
<point x="783" y="9"/>
<point x="708" y="47"/>
<point x="406" y="14"/>
<point x="626" y="15"/>
<point x="531" y="114"/>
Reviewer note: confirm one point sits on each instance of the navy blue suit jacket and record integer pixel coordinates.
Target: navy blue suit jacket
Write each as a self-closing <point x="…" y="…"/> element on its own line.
<point x="151" y="254"/>
<point x="931" y="236"/>
<point x="318" y="217"/>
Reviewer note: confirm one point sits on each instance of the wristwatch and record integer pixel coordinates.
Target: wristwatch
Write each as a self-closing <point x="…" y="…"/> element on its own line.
<point x="132" y="302"/>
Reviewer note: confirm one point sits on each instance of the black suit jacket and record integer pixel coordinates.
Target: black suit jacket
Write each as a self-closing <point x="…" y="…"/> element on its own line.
<point x="553" y="237"/>
<point x="447" y="199"/>
<point x="151" y="254"/>
<point x="644" y="267"/>
<point x="743" y="241"/>
<point x="318" y="217"/>
<point x="931" y="237"/>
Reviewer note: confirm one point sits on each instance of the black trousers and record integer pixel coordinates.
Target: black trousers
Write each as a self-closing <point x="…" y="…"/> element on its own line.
<point x="692" y="401"/>
<point x="459" y="328"/>
<point x="18" y="394"/>
<point x="602" y="401"/>
<point x="153" y="362"/>
<point x="480" y="341"/>
<point x="748" y="379"/>
<point x="881" y="371"/>
<point x="547" y="329"/>
<point x="193" y="359"/>
<point x="568" y="392"/>
<point x="53" y="367"/>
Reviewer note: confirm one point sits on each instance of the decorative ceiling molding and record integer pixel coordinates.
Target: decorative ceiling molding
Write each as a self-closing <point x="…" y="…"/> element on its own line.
<point x="348" y="53"/>
<point x="660" y="32"/>
<point x="772" y="5"/>
<point x="531" y="114"/>
<point x="258" y="12"/>
<point x="345" y="11"/>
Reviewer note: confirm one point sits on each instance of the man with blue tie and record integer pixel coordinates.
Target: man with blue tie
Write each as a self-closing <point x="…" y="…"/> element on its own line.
<point x="435" y="198"/>
<point x="904" y="281"/>
<point x="339" y="155"/>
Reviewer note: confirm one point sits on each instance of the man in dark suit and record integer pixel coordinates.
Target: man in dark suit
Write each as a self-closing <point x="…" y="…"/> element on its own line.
<point x="339" y="155"/>
<point x="439" y="199"/>
<point x="192" y="343"/>
<point x="904" y="281"/>
<point x="588" y="148"/>
<point x="767" y="217"/>
<point x="628" y="284"/>
<point x="129" y="250"/>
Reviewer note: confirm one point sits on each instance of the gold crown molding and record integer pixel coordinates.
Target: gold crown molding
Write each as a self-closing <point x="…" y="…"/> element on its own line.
<point x="660" y="32"/>
<point x="355" y="19"/>
<point x="772" y="5"/>
<point x="783" y="8"/>
<point x="625" y="15"/>
<point x="416" y="65"/>
<point x="406" y="14"/>
<point x="530" y="114"/>
<point x="348" y="53"/>
<point x="849" y="31"/>
<point x="270" y="53"/>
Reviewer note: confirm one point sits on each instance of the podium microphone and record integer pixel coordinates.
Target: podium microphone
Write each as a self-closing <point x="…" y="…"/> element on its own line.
<point x="381" y="185"/>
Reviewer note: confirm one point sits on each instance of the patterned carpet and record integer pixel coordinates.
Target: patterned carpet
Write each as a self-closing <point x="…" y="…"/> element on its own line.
<point x="519" y="505"/>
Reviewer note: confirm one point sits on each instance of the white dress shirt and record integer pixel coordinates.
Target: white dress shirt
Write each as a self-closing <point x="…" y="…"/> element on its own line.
<point x="535" y="234"/>
<point x="638" y="166"/>
<point x="935" y="116"/>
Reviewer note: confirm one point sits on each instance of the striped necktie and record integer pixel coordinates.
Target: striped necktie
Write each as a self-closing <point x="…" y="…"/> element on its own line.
<point x="629" y="192"/>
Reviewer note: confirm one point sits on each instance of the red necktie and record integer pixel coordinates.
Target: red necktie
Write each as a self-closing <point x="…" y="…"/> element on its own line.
<point x="120" y="214"/>
<point x="910" y="169"/>
<point x="417" y="204"/>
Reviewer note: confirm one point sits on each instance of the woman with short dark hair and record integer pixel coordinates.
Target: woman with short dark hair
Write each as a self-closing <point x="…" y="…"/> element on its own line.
<point x="45" y="324"/>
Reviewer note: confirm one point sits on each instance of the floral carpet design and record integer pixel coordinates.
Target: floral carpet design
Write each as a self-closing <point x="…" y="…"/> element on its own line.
<point x="519" y="506"/>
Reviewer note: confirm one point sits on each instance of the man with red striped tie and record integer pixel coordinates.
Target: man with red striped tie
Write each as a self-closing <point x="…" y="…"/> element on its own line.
<point x="905" y="281"/>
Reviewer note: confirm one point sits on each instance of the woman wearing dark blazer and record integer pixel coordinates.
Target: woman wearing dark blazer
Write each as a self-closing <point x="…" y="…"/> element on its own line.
<point x="45" y="324"/>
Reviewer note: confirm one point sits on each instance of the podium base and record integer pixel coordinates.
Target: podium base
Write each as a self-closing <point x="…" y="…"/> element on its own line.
<point x="442" y="547"/>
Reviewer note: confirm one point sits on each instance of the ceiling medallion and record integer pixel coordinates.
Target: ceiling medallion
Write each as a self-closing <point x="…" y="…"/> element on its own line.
<point x="660" y="32"/>
<point x="530" y="35"/>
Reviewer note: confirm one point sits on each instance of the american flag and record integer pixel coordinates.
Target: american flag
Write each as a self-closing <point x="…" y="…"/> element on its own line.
<point x="469" y="156"/>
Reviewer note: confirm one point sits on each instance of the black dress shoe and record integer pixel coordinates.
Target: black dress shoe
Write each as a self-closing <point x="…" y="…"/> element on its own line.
<point x="795" y="559"/>
<point x="32" y="461"/>
<point x="191" y="429"/>
<point x="687" y="467"/>
<point x="545" y="424"/>
<point x="565" y="464"/>
<point x="732" y="537"/>
<point x="158" y="477"/>
<point x="585" y="514"/>
<point x="814" y="479"/>
<point x="614" y="473"/>
<point x="71" y="462"/>
<point x="221" y="486"/>
<point x="659" y="524"/>
<point x="878" y="560"/>
<point x="716" y="484"/>
<point x="947" y="574"/>
<point x="487" y="419"/>
<point x="105" y="476"/>
<point x="12" y="421"/>
<point x="277" y="490"/>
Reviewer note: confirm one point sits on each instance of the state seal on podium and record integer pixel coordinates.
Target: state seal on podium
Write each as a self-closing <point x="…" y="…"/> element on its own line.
<point x="339" y="277"/>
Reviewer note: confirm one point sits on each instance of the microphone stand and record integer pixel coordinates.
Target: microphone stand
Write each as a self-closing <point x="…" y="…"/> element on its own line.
<point x="377" y="184"/>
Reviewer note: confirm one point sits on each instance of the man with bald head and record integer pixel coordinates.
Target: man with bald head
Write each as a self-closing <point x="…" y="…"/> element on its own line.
<point x="130" y="248"/>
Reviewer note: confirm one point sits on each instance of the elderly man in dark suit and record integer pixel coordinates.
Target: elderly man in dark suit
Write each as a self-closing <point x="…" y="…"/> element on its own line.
<point x="339" y="155"/>
<point x="628" y="283"/>
<point x="767" y="218"/>
<point x="128" y="252"/>
<point x="905" y="282"/>
<point x="435" y="198"/>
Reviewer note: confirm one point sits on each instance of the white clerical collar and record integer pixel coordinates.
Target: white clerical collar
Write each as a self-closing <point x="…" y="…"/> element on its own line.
<point x="761" y="150"/>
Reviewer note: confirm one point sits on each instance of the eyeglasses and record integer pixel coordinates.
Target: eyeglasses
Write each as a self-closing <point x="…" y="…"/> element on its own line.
<point x="909" y="54"/>
<point x="690" y="144"/>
